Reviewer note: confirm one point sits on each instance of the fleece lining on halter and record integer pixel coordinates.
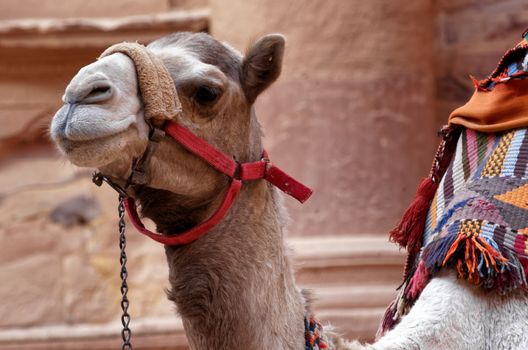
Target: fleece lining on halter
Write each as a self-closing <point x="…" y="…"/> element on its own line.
<point x="162" y="107"/>
<point x="157" y="89"/>
<point x="473" y="209"/>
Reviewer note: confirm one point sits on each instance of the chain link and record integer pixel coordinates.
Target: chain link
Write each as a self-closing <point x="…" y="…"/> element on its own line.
<point x="126" y="333"/>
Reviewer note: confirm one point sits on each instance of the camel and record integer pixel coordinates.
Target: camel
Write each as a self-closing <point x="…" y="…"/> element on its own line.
<point x="234" y="288"/>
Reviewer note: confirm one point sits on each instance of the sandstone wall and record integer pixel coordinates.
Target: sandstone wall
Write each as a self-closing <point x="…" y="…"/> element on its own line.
<point x="15" y="9"/>
<point x="365" y="84"/>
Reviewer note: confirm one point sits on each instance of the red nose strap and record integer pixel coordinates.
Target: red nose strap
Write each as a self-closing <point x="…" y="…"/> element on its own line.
<point x="238" y="172"/>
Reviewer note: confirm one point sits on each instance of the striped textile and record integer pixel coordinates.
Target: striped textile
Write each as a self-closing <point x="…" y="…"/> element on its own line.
<point x="477" y="223"/>
<point x="478" y="220"/>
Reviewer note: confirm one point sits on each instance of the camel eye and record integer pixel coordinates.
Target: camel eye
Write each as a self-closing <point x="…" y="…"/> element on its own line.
<point x="205" y="95"/>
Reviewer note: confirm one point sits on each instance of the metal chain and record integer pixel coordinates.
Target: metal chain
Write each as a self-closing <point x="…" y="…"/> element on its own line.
<point x="126" y="333"/>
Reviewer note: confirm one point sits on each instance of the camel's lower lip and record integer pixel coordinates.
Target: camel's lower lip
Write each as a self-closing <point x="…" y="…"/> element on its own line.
<point x="69" y="145"/>
<point x="87" y="123"/>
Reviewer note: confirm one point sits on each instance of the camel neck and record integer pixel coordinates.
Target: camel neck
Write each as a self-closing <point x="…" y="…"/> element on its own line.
<point x="234" y="287"/>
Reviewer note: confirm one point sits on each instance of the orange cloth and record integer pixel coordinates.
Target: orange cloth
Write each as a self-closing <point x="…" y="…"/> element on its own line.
<point x="505" y="107"/>
<point x="500" y="102"/>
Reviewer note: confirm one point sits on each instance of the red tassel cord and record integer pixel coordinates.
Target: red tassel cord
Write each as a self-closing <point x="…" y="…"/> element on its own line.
<point x="477" y="259"/>
<point x="410" y="230"/>
<point x="408" y="233"/>
<point x="389" y="320"/>
<point x="418" y="282"/>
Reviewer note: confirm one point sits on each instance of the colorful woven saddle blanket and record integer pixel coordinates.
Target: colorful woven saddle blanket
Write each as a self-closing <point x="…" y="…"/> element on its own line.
<point x="471" y="213"/>
<point x="478" y="219"/>
<point x="477" y="222"/>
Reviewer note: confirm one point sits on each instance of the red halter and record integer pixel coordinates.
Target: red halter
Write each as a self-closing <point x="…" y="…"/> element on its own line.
<point x="237" y="172"/>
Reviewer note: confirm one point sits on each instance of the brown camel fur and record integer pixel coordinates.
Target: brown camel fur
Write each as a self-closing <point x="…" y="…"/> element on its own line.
<point x="234" y="288"/>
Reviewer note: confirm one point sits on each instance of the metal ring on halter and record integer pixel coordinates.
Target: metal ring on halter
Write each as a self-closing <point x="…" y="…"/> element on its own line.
<point x="98" y="179"/>
<point x="139" y="173"/>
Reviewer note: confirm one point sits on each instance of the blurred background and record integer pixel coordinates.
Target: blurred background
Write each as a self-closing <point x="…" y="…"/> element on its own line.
<point x="364" y="88"/>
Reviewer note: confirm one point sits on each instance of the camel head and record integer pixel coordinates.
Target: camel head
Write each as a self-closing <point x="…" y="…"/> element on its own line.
<point x="102" y="125"/>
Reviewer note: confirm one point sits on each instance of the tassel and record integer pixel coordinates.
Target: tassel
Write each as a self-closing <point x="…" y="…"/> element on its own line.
<point x="476" y="259"/>
<point x="524" y="266"/>
<point x="475" y="247"/>
<point x="515" y="277"/>
<point x="435" y="252"/>
<point x="418" y="282"/>
<point x="473" y="257"/>
<point x="409" y="231"/>
<point x="388" y="321"/>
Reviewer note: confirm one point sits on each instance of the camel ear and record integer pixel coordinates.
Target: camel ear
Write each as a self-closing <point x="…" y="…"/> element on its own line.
<point x="262" y="65"/>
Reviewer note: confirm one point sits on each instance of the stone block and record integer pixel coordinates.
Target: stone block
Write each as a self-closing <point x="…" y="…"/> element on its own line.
<point x="89" y="295"/>
<point x="12" y="9"/>
<point x="31" y="293"/>
<point x="352" y="280"/>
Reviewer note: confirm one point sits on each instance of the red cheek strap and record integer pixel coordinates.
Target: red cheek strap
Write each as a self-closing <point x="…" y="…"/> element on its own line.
<point x="193" y="233"/>
<point x="238" y="172"/>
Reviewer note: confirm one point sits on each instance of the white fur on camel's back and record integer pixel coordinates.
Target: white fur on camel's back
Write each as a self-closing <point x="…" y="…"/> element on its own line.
<point x="452" y="314"/>
<point x="234" y="288"/>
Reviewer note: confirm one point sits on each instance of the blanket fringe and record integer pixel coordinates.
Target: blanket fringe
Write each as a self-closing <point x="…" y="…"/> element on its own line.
<point x="475" y="259"/>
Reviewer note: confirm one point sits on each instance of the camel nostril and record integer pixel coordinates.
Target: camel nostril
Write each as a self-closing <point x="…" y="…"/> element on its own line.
<point x="98" y="93"/>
